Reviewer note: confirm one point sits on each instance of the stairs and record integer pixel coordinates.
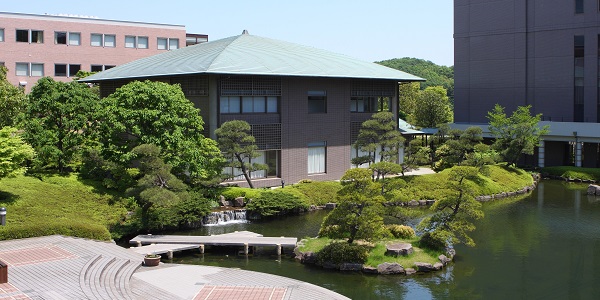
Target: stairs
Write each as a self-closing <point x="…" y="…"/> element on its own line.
<point x="107" y="277"/>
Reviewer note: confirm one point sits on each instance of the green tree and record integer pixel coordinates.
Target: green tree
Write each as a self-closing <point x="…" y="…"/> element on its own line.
<point x="12" y="100"/>
<point x="458" y="147"/>
<point x="407" y="96"/>
<point x="453" y="214"/>
<point x="433" y="107"/>
<point x="415" y="155"/>
<point x="158" y="113"/>
<point x="358" y="214"/>
<point x="58" y="119"/>
<point x="515" y="135"/>
<point x="382" y="169"/>
<point x="380" y="133"/>
<point x="14" y="152"/>
<point x="239" y="147"/>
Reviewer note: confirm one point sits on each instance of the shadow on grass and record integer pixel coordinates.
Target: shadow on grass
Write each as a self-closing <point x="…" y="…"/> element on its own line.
<point x="100" y="189"/>
<point x="8" y="198"/>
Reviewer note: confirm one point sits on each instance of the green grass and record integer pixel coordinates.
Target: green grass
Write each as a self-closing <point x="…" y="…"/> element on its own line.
<point x="57" y="205"/>
<point x="573" y="173"/>
<point x="377" y="254"/>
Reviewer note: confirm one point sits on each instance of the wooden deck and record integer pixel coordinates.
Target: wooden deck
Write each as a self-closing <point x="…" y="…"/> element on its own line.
<point x="241" y="238"/>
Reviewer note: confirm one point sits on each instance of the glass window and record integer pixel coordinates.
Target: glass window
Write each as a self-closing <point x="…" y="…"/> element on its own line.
<point x="230" y="105"/>
<point x="173" y="44"/>
<point x="37" y="70"/>
<point x="22" y="35"/>
<point x="109" y="40"/>
<point x="60" y="38"/>
<point x="74" y="38"/>
<point x="316" y="157"/>
<point x="106" y="67"/>
<point x="259" y="105"/>
<point x="73" y="69"/>
<point x="272" y="105"/>
<point x="22" y="69"/>
<point x="247" y="105"/>
<point x="1" y="34"/>
<point x="317" y="102"/>
<point x="37" y="37"/>
<point x="96" y="40"/>
<point x="578" y="6"/>
<point x="129" y="41"/>
<point x="60" y="70"/>
<point x="142" y="42"/>
<point x="96" y="68"/>
<point x="162" y="43"/>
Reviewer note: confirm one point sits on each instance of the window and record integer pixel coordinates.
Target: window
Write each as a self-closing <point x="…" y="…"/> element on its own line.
<point x="100" y="68"/>
<point x="99" y="40"/>
<point x="74" y="38"/>
<point x="60" y="38"/>
<point x="129" y="41"/>
<point x="67" y="38"/>
<point x="73" y="69"/>
<point x="579" y="52"/>
<point x="317" y="102"/>
<point x="30" y="36"/>
<point x="166" y="43"/>
<point x="269" y="158"/>
<point x="140" y="42"/>
<point x="193" y="39"/>
<point x="578" y="6"/>
<point x="316" y="157"/>
<point x="249" y="104"/>
<point x="370" y="104"/>
<point x="22" y="69"/>
<point x="1" y="34"/>
<point x="60" y="70"/>
<point x="37" y="70"/>
<point x="230" y="105"/>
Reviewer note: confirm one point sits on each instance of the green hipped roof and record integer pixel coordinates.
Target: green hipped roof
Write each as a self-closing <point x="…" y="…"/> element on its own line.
<point x="247" y="54"/>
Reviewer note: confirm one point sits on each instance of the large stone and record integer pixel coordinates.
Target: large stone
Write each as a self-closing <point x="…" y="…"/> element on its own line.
<point x="330" y="205"/>
<point x="351" y="267"/>
<point x="438" y="266"/>
<point x="410" y="271"/>
<point x="329" y="265"/>
<point x="390" y="268"/>
<point x="424" y="267"/>
<point x="369" y="270"/>
<point x="223" y="201"/>
<point x="413" y="203"/>
<point x="443" y="259"/>
<point x="308" y="258"/>
<point x="403" y="249"/>
<point x="593" y="189"/>
<point x="422" y="202"/>
<point x="238" y="202"/>
<point x="430" y="202"/>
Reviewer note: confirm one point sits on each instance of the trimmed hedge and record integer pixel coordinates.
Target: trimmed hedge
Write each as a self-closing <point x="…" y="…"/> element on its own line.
<point x="273" y="203"/>
<point x="342" y="252"/>
<point x="401" y="231"/>
<point x="573" y="173"/>
<point x="43" y="228"/>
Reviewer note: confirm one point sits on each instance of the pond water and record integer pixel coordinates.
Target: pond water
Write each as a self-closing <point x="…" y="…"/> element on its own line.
<point x="543" y="246"/>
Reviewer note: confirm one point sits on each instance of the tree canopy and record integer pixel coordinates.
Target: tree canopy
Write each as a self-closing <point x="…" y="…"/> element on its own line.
<point x="380" y="133"/>
<point x="57" y="120"/>
<point x="239" y="147"/>
<point x="158" y="113"/>
<point x="12" y="100"/>
<point x="14" y="152"/>
<point x="432" y="108"/>
<point x="515" y="135"/>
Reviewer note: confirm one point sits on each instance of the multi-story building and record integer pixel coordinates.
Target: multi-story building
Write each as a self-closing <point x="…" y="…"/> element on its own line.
<point x="33" y="46"/>
<point x="305" y="105"/>
<point x="543" y="53"/>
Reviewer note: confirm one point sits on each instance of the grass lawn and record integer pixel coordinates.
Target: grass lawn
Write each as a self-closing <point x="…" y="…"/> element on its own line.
<point x="573" y="173"/>
<point x="57" y="205"/>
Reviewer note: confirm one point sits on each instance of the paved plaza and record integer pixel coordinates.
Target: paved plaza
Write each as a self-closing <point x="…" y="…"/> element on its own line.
<point x="59" y="267"/>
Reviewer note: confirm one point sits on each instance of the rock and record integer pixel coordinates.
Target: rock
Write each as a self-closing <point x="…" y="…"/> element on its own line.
<point x="329" y="265"/>
<point x="422" y="202"/>
<point x="312" y="208"/>
<point x="223" y="201"/>
<point x="369" y="270"/>
<point x="330" y="205"/>
<point x="443" y="259"/>
<point x="593" y="189"/>
<point x="351" y="267"/>
<point x="413" y="203"/>
<point x="238" y="202"/>
<point x="403" y="249"/>
<point x="430" y="202"/>
<point x="410" y="271"/>
<point x="308" y="258"/>
<point x="438" y="266"/>
<point x="424" y="267"/>
<point x="450" y="253"/>
<point x="390" y="268"/>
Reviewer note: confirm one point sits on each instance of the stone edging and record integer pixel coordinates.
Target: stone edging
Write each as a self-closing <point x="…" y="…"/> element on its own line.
<point x="525" y="190"/>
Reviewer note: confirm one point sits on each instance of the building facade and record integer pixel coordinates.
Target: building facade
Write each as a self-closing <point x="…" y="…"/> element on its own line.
<point x="543" y="53"/>
<point x="34" y="46"/>
<point x="305" y="105"/>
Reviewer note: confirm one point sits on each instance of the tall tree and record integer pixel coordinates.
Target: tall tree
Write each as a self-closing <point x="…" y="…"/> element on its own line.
<point x="453" y="214"/>
<point x="358" y="211"/>
<point x="515" y="135"/>
<point x="57" y="120"/>
<point x="380" y="133"/>
<point x="239" y="147"/>
<point x="432" y="107"/>
<point x="407" y="97"/>
<point x="14" y="152"/>
<point x="158" y="113"/>
<point x="12" y="100"/>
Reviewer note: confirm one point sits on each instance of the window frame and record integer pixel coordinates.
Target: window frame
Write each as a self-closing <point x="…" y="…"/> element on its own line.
<point x="17" y="35"/>
<point x="133" y="45"/>
<point x="137" y="44"/>
<point x="579" y="7"/>
<point x="26" y="69"/>
<point x="66" y="72"/>
<point x="167" y="45"/>
<point x="315" y="96"/>
<point x="100" y="35"/>
<point x="2" y="39"/>
<point x="56" y="36"/>
<point x="40" y="32"/>
<point x="69" y="34"/>
<point x="31" y="69"/>
<point x="310" y="170"/>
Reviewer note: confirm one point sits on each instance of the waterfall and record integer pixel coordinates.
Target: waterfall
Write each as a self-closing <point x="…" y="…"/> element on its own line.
<point x="225" y="217"/>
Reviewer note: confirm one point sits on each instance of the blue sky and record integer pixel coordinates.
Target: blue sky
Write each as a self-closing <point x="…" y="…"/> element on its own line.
<point x="370" y="30"/>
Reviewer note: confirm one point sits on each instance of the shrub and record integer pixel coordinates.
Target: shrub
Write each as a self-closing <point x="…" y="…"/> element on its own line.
<point x="342" y="252"/>
<point x="230" y="193"/>
<point x="44" y="227"/>
<point x="401" y="231"/>
<point x="431" y="242"/>
<point x="271" y="203"/>
<point x="318" y="193"/>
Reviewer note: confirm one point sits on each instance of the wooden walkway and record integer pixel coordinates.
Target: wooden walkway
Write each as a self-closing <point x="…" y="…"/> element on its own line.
<point x="239" y="238"/>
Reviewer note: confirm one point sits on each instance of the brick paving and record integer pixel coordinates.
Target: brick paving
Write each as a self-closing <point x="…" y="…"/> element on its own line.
<point x="58" y="267"/>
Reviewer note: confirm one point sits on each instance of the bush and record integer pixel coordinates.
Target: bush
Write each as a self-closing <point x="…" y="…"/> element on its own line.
<point x="342" y="252"/>
<point x="271" y="203"/>
<point x="45" y="227"/>
<point x="429" y="241"/>
<point x="573" y="173"/>
<point x="318" y="193"/>
<point x="401" y="231"/>
<point x="230" y="193"/>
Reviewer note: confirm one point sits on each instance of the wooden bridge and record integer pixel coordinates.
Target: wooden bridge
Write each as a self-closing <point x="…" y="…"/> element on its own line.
<point x="159" y="244"/>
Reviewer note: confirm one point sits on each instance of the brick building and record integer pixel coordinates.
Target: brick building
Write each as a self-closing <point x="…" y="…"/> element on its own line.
<point x="543" y="53"/>
<point x="305" y="105"/>
<point x="33" y="46"/>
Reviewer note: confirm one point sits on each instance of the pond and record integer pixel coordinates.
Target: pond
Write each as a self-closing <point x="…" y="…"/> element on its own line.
<point x="543" y="246"/>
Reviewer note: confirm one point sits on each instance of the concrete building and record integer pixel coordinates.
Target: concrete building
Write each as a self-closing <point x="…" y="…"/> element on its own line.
<point x="33" y="46"/>
<point x="305" y="105"/>
<point x="543" y="53"/>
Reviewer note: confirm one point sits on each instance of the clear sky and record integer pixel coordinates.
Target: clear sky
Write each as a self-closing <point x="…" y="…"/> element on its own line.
<point x="370" y="30"/>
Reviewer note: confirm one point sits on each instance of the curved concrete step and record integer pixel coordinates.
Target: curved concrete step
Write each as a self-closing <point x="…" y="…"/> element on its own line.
<point x="107" y="277"/>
